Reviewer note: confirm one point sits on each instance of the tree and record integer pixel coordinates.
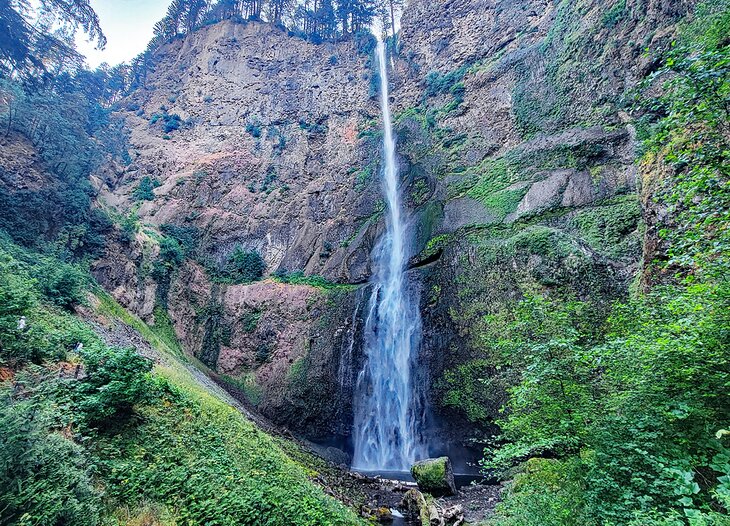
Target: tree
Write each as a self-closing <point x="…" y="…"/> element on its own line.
<point x="46" y="43"/>
<point x="326" y="20"/>
<point x="244" y="266"/>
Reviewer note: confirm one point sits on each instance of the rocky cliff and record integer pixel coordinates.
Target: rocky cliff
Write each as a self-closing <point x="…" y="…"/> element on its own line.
<point x="519" y="170"/>
<point x="265" y="154"/>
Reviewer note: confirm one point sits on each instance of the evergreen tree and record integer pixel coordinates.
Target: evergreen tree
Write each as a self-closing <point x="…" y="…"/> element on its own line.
<point x="326" y="20"/>
<point x="46" y="45"/>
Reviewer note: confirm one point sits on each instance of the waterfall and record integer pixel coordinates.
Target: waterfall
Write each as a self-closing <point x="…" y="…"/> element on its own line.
<point x="388" y="408"/>
<point x="344" y="370"/>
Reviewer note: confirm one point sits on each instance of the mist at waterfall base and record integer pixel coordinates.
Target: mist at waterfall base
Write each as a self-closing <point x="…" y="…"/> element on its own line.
<point x="389" y="407"/>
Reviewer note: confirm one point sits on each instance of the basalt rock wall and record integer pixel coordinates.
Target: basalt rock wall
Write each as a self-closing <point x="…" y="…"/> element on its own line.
<point x="519" y="173"/>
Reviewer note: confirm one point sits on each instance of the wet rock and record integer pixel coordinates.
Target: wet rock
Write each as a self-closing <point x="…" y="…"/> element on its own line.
<point x="453" y="515"/>
<point x="384" y="515"/>
<point x="414" y="506"/>
<point x="435" y="476"/>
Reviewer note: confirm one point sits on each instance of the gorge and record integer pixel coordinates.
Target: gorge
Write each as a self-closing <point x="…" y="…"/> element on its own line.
<point x="296" y="256"/>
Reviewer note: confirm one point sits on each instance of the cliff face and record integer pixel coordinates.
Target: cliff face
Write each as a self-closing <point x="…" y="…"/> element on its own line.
<point x="266" y="150"/>
<point x="519" y="170"/>
<point x="512" y="120"/>
<point x="266" y="156"/>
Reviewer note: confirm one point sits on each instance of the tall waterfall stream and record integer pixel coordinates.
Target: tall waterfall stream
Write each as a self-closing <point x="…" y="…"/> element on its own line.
<point x="388" y="407"/>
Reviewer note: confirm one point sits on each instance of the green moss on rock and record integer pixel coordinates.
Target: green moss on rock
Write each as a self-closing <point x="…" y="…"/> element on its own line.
<point x="435" y="476"/>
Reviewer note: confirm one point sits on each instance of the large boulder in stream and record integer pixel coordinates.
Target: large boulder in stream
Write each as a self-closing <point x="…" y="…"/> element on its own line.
<point x="435" y="476"/>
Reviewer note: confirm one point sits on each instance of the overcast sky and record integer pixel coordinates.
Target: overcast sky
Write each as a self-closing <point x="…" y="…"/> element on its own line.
<point x="127" y="25"/>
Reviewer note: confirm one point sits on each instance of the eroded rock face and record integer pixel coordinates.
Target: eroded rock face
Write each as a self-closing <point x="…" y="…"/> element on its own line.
<point x="267" y="152"/>
<point x="518" y="168"/>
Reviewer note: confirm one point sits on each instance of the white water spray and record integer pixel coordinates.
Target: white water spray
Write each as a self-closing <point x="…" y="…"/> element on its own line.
<point x="388" y="408"/>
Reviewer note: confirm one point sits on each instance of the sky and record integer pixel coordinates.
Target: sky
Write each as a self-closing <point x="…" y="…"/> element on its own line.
<point x="127" y="25"/>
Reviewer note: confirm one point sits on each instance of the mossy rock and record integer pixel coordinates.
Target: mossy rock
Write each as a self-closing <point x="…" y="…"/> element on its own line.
<point x="435" y="476"/>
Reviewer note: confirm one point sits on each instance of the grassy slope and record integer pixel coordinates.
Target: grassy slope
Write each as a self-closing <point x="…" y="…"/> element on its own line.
<point x="206" y="460"/>
<point x="183" y="457"/>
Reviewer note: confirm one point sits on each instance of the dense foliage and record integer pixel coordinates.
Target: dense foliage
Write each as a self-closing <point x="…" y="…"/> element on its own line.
<point x="36" y="41"/>
<point x="90" y="434"/>
<point x="625" y="424"/>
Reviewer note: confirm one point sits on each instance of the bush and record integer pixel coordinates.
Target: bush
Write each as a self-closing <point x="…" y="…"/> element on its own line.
<point x="116" y="380"/>
<point x="254" y="128"/>
<point x="62" y="283"/>
<point x="244" y="266"/>
<point x="172" y="122"/>
<point x="186" y="236"/>
<point x="145" y="189"/>
<point x="437" y="83"/>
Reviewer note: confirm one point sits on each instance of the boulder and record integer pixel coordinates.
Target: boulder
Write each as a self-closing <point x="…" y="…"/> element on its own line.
<point x="435" y="476"/>
<point x="415" y="507"/>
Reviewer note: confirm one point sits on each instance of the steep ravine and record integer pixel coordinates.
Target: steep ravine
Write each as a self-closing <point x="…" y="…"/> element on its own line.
<point x="518" y="163"/>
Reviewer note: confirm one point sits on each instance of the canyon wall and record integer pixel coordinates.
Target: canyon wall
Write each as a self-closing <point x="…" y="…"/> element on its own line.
<point x="519" y="171"/>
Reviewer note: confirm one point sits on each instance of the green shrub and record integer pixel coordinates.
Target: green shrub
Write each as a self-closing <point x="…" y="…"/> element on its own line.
<point x="45" y="478"/>
<point x="188" y="237"/>
<point x="172" y="122"/>
<point x="437" y="83"/>
<point x="145" y="189"/>
<point x="63" y="284"/>
<point x="116" y="380"/>
<point x="254" y="129"/>
<point x="171" y="256"/>
<point x="244" y="266"/>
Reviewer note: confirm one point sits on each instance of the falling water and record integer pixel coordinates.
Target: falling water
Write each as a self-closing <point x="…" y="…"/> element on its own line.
<point x="344" y="371"/>
<point x="387" y="405"/>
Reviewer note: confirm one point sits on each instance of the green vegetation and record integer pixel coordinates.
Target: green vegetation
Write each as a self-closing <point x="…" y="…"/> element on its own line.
<point x="93" y="435"/>
<point x="169" y="122"/>
<point x="254" y="129"/>
<point x="631" y="413"/>
<point x="169" y="259"/>
<point x="438" y="84"/>
<point x="547" y="492"/>
<point x="244" y="266"/>
<point x="612" y="227"/>
<point x="614" y="15"/>
<point x="298" y="277"/>
<point x="187" y="236"/>
<point x="247" y="384"/>
<point x="314" y="128"/>
<point x="494" y="174"/>
<point x="72" y="133"/>
<point x="145" y="189"/>
<point x="250" y="320"/>
<point x="503" y="202"/>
